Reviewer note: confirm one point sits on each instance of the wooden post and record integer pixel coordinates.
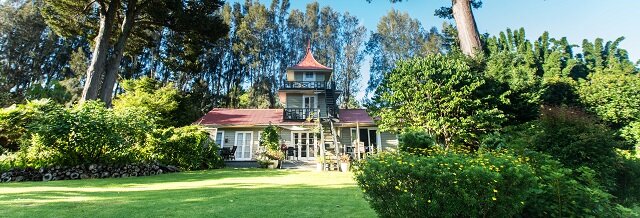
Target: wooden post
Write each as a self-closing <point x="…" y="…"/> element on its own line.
<point x="358" y="139"/>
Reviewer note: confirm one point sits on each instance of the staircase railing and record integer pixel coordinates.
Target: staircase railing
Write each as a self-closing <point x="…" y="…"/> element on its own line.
<point x="304" y="85"/>
<point x="335" y="141"/>
<point x="300" y="113"/>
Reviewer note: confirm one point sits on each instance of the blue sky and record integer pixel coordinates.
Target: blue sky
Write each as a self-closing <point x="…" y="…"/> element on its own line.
<point x="575" y="19"/>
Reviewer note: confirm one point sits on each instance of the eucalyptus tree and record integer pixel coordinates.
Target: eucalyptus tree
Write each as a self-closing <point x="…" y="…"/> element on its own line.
<point x="112" y="23"/>
<point x="31" y="56"/>
<point x="398" y="37"/>
<point x="353" y="36"/>
<point x="461" y="11"/>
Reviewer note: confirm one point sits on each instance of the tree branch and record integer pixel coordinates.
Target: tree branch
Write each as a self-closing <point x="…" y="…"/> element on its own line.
<point x="88" y="6"/>
<point x="103" y="7"/>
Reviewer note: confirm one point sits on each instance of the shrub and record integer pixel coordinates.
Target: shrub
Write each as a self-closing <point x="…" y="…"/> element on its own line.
<point x="445" y="184"/>
<point x="628" y="180"/>
<point x="48" y="134"/>
<point x="631" y="134"/>
<point x="442" y="94"/>
<point x="412" y="139"/>
<point x="149" y="93"/>
<point x="270" y="138"/>
<point x="613" y="96"/>
<point x="577" y="140"/>
<point x="14" y="121"/>
<point x="563" y="192"/>
<point x="90" y="133"/>
<point x="188" y="147"/>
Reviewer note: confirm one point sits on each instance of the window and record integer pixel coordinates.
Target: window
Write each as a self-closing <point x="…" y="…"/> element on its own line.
<point x="220" y="138"/>
<point x="309" y="76"/>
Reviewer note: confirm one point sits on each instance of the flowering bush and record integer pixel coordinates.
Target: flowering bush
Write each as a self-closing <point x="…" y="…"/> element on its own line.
<point x="445" y="184"/>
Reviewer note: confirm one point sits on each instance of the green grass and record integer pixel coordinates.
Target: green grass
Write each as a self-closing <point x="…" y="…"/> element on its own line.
<point x="214" y="193"/>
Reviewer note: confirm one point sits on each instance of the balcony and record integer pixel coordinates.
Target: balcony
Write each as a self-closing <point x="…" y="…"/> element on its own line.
<point x="300" y="113"/>
<point x="308" y="85"/>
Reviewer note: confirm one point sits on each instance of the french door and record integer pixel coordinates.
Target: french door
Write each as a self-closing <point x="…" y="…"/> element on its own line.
<point x="310" y="103"/>
<point x="244" y="143"/>
<point x="305" y="143"/>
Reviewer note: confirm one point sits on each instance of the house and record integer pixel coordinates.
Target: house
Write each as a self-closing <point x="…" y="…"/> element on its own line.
<point x="309" y="97"/>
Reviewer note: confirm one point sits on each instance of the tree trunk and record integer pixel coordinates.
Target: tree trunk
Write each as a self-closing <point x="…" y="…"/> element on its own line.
<point x="96" y="69"/>
<point x="467" y="29"/>
<point x="118" y="52"/>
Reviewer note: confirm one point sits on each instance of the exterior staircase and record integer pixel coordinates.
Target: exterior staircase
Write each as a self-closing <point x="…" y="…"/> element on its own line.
<point x="329" y="137"/>
<point x="330" y="99"/>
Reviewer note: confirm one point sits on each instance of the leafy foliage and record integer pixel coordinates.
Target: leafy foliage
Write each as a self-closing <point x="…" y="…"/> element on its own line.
<point x="628" y="180"/>
<point x="147" y="93"/>
<point x="45" y="134"/>
<point x="15" y="121"/>
<point x="632" y="134"/>
<point x="412" y="139"/>
<point x="270" y="138"/>
<point x="90" y="133"/>
<point x="572" y="137"/>
<point x="441" y="94"/>
<point x="398" y="37"/>
<point x="563" y="192"/>
<point x="446" y="184"/>
<point x="613" y="96"/>
<point x="189" y="147"/>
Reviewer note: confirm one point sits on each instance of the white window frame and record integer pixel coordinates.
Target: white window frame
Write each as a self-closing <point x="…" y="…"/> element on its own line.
<point x="241" y="150"/>
<point x="215" y="138"/>
<point x="311" y="79"/>
<point x="378" y="136"/>
<point x="315" y="101"/>
<point x="316" y="141"/>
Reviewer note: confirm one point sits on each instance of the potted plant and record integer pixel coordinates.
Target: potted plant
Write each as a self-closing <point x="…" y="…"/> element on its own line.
<point x="275" y="157"/>
<point x="264" y="163"/>
<point x="345" y="161"/>
<point x="270" y="140"/>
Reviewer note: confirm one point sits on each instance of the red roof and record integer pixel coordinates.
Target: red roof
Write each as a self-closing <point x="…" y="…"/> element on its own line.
<point x="219" y="116"/>
<point x="354" y="115"/>
<point x="309" y="62"/>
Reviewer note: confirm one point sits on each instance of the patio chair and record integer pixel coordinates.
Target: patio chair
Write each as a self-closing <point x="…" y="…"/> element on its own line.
<point x="225" y="153"/>
<point x="232" y="153"/>
<point x="291" y="153"/>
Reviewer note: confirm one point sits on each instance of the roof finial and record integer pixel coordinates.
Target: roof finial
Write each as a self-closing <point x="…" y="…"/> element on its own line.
<point x="308" y="45"/>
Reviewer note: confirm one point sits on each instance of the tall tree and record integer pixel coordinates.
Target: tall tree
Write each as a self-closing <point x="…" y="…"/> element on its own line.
<point x="353" y="35"/>
<point x="461" y="11"/>
<point x="30" y="54"/>
<point x="398" y="37"/>
<point x="114" y="22"/>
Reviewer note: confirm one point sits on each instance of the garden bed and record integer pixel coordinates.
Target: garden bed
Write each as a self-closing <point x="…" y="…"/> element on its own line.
<point x="91" y="171"/>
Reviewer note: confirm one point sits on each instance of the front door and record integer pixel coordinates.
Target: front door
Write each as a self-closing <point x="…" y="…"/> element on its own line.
<point x="243" y="141"/>
<point x="305" y="143"/>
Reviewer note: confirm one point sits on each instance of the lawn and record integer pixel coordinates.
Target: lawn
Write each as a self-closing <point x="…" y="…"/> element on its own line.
<point x="214" y="193"/>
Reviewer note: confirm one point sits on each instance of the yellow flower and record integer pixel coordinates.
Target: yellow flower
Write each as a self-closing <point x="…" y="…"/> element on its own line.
<point x="429" y="201"/>
<point x="494" y="198"/>
<point x="495" y="190"/>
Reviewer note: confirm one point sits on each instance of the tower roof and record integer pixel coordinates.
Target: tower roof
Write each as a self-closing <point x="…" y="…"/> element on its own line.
<point x="309" y="62"/>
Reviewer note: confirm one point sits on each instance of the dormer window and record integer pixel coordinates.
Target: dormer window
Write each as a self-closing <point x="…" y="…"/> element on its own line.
<point x="309" y="76"/>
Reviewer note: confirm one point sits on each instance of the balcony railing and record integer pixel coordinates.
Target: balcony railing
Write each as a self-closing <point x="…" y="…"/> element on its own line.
<point x="313" y="85"/>
<point x="300" y="113"/>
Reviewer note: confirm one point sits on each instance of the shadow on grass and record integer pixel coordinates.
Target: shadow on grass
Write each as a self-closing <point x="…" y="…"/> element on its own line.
<point x="190" y="176"/>
<point x="294" y="194"/>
